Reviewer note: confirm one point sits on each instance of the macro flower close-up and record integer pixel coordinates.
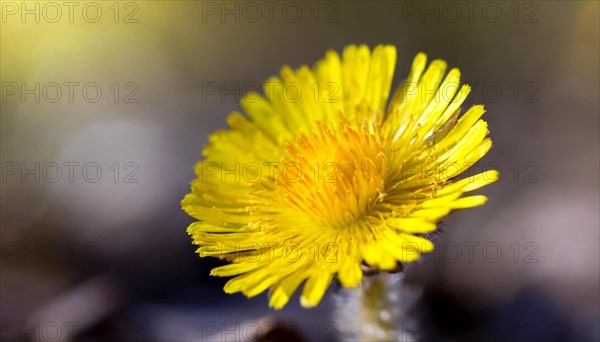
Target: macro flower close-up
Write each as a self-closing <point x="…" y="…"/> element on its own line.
<point x="331" y="172"/>
<point x="366" y="170"/>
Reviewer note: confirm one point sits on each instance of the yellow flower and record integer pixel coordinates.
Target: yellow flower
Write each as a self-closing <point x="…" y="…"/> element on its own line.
<point x="321" y="177"/>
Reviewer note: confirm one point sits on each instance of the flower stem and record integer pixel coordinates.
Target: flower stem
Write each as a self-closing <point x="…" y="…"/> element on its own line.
<point x="375" y="311"/>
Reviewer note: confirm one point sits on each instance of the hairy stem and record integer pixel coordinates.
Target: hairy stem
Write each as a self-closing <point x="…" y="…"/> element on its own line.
<point x="375" y="311"/>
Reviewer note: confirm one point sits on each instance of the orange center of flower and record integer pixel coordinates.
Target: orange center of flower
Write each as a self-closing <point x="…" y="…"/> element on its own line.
<point x="334" y="176"/>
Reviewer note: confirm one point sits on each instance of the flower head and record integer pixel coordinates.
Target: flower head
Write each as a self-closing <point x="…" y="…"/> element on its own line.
<point x="323" y="175"/>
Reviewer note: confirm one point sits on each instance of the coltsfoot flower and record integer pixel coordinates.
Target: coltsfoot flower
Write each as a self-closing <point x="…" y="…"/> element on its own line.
<point x="323" y="175"/>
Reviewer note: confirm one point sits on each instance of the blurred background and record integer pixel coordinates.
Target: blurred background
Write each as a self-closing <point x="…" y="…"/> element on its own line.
<point x="107" y="105"/>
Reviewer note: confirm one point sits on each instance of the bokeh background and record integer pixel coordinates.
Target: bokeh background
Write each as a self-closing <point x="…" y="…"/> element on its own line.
<point x="105" y="257"/>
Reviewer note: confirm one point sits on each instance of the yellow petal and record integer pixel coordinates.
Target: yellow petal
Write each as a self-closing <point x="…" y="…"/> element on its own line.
<point x="350" y="274"/>
<point x="314" y="289"/>
<point x="283" y="291"/>
<point x="379" y="81"/>
<point x="412" y="225"/>
<point x="234" y="269"/>
<point x="468" y="202"/>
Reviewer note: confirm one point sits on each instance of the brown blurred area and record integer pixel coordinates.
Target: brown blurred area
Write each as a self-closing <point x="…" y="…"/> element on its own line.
<point x="101" y="253"/>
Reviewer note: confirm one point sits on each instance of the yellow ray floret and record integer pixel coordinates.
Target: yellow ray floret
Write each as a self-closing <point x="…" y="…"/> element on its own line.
<point x="307" y="188"/>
